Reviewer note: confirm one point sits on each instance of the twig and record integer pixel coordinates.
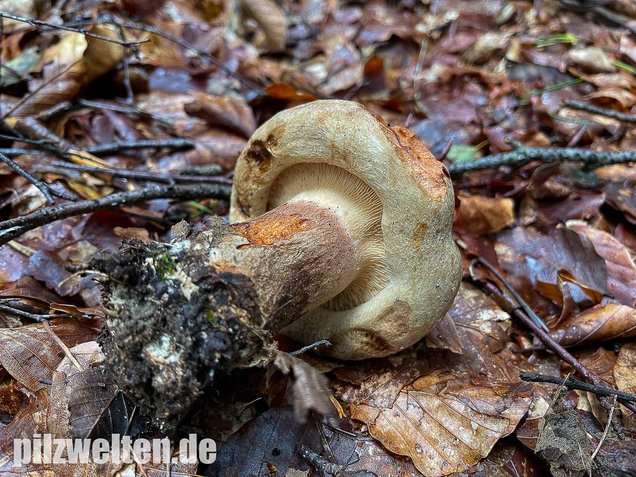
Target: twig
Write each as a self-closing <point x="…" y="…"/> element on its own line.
<point x="25" y="314"/>
<point x="520" y="301"/>
<point x="572" y="383"/>
<point x="62" y="345"/>
<point x="318" y="462"/>
<point x="34" y="22"/>
<point x="548" y="341"/>
<point x="47" y="192"/>
<point x="522" y="155"/>
<point x="12" y="228"/>
<point x="311" y="347"/>
<point x="145" y="176"/>
<point x="609" y="113"/>
<point x="174" y="143"/>
<point x="604" y="436"/>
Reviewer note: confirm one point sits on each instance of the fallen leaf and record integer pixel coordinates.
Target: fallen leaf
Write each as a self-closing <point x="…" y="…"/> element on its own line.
<point x="480" y="215"/>
<point x="271" y="18"/>
<point x="530" y="256"/>
<point x="229" y="112"/>
<point x="310" y="390"/>
<point x="592" y="58"/>
<point x="30" y="354"/>
<point x="445" y="429"/>
<point x="621" y="270"/>
<point x="598" y="324"/>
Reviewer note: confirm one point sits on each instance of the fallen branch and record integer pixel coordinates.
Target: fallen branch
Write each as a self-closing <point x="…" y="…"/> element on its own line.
<point x="174" y="143"/>
<point x="13" y="228"/>
<point x="608" y="113"/>
<point x="572" y="383"/>
<point x="145" y="176"/>
<point x="47" y="192"/>
<point x="522" y="155"/>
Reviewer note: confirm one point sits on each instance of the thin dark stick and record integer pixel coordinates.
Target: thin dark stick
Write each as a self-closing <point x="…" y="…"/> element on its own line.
<point x="174" y="143"/>
<point x="34" y="22"/>
<point x="31" y="316"/>
<point x="609" y="113"/>
<point x="126" y="109"/>
<point x="522" y="155"/>
<point x="13" y="151"/>
<point x="12" y="228"/>
<point x="311" y="347"/>
<point x="146" y="176"/>
<point x="548" y="341"/>
<point x="572" y="383"/>
<point x="520" y="301"/>
<point x="45" y="189"/>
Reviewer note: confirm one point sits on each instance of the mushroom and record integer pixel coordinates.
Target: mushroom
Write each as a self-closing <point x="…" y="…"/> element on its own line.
<point x="341" y="230"/>
<point x="364" y="214"/>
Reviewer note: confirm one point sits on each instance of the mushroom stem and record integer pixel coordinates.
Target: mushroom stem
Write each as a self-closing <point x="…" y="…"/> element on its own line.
<point x="299" y="256"/>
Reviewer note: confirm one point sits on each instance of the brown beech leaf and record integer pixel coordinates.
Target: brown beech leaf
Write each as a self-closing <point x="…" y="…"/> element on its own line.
<point x="69" y="65"/>
<point x="271" y="18"/>
<point x="443" y="410"/>
<point x="549" y="260"/>
<point x="598" y="324"/>
<point x="621" y="270"/>
<point x="31" y="354"/>
<point x="483" y="215"/>
<point x="230" y="112"/>
<point x="445" y="336"/>
<point x="445" y="426"/>
<point x="625" y="368"/>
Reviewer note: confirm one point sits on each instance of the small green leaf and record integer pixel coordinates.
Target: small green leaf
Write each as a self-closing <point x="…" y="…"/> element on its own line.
<point x="569" y="38"/>
<point x="461" y="153"/>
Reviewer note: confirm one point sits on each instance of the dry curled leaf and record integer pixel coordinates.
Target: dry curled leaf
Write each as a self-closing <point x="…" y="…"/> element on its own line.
<point x="69" y="65"/>
<point x="625" y="368"/>
<point x="598" y="324"/>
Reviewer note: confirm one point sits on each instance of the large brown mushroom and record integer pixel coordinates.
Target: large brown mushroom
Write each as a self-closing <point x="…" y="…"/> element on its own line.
<point x="341" y="231"/>
<point x="350" y="224"/>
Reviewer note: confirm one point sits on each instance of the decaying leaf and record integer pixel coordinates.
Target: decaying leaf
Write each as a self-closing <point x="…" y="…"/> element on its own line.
<point x="546" y="260"/>
<point x="447" y="428"/>
<point x="228" y="112"/>
<point x="271" y="18"/>
<point x="310" y="389"/>
<point x="598" y="324"/>
<point x="621" y="270"/>
<point x="483" y="215"/>
<point x="31" y="354"/>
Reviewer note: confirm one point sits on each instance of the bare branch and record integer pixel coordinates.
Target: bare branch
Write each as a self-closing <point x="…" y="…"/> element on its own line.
<point x="13" y="228"/>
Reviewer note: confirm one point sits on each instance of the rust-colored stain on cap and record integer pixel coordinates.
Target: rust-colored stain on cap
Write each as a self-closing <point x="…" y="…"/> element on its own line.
<point x="427" y="171"/>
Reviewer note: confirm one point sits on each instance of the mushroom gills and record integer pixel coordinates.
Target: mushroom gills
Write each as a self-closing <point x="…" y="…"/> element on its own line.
<point x="360" y="209"/>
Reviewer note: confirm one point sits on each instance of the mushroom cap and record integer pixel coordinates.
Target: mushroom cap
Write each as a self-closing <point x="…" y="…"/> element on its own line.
<point x="420" y="267"/>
